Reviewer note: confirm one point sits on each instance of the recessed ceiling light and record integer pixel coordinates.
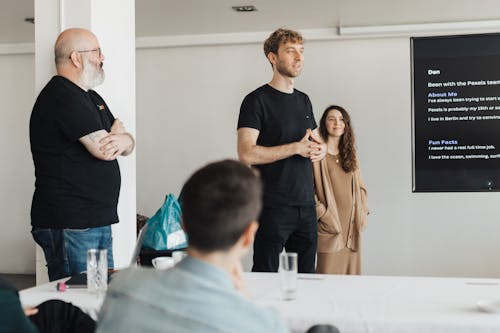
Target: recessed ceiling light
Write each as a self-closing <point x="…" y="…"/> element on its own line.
<point x="246" y="8"/>
<point x="29" y="19"/>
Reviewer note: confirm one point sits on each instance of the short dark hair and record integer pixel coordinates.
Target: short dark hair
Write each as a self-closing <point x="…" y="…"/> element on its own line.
<point x="218" y="203"/>
<point x="281" y="36"/>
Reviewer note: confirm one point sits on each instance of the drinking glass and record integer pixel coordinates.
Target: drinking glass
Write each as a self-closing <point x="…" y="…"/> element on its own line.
<point x="288" y="275"/>
<point x="97" y="271"/>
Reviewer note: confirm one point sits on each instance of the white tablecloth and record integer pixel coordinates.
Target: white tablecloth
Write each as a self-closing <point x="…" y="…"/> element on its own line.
<point x="89" y="303"/>
<point x="382" y="304"/>
<point x="352" y="303"/>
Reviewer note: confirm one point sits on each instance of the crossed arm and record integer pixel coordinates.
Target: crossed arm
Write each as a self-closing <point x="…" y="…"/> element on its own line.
<point x="108" y="146"/>
<point x="310" y="146"/>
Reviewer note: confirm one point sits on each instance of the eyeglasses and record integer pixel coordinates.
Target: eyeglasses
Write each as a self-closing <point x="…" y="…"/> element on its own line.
<point x="93" y="50"/>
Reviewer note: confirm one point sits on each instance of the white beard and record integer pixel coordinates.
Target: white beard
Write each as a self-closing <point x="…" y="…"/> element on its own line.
<point x="92" y="75"/>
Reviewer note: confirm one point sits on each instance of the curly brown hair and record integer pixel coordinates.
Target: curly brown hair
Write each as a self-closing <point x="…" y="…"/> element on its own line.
<point x="281" y="36"/>
<point x="347" y="149"/>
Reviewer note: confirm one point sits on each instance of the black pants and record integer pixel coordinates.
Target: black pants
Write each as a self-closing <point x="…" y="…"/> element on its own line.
<point x="294" y="228"/>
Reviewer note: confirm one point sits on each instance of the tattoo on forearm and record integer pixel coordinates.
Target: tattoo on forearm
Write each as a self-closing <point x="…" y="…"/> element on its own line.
<point x="92" y="137"/>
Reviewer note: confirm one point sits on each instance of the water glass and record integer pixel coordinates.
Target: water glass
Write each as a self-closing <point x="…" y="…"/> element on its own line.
<point x="97" y="271"/>
<point x="288" y="275"/>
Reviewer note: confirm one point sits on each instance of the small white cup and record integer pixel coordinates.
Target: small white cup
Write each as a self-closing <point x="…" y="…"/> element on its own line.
<point x="288" y="275"/>
<point x="178" y="256"/>
<point x="163" y="262"/>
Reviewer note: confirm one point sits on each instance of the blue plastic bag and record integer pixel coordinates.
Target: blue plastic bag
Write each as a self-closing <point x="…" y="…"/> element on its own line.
<point x="164" y="230"/>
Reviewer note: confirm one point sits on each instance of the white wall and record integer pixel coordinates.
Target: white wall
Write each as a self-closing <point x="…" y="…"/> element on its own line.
<point x="187" y="107"/>
<point x="188" y="103"/>
<point x="17" y="250"/>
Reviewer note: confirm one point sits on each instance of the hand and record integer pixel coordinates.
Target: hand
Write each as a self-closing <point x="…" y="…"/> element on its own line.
<point x="320" y="153"/>
<point x="30" y="311"/>
<point x="237" y="278"/>
<point x="305" y="147"/>
<point x="113" y="145"/>
<point x="118" y="127"/>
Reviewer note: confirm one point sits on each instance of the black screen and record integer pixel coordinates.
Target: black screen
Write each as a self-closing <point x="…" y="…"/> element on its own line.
<point x="456" y="113"/>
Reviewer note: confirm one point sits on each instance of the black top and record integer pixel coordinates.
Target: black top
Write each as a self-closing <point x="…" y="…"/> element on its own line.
<point x="281" y="118"/>
<point x="73" y="189"/>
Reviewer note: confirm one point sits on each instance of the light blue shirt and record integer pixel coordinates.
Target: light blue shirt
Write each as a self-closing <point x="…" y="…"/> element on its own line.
<point x="191" y="297"/>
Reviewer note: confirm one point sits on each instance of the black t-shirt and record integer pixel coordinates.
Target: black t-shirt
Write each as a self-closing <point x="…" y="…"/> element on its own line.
<point x="281" y="118"/>
<point x="73" y="189"/>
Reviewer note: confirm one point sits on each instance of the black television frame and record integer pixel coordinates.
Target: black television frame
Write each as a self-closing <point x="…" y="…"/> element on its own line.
<point x="476" y="179"/>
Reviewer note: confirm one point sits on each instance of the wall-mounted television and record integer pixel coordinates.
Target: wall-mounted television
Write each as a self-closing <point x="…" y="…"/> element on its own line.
<point x="456" y="113"/>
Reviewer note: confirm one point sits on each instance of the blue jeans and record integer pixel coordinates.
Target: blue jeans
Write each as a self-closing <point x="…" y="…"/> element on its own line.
<point x="66" y="249"/>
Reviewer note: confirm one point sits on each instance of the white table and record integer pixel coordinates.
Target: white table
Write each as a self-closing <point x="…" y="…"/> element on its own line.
<point x="382" y="304"/>
<point x="352" y="303"/>
<point x="89" y="303"/>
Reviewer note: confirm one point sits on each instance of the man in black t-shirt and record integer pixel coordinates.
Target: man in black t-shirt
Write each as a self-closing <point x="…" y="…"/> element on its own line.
<point x="75" y="141"/>
<point x="277" y="134"/>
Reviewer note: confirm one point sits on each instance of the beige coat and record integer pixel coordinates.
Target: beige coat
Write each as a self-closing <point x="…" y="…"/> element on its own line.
<point x="330" y="237"/>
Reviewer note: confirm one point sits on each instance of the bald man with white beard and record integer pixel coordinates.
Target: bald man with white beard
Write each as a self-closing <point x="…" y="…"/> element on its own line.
<point x="75" y="142"/>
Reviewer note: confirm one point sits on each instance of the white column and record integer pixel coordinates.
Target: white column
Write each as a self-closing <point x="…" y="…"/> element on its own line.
<point x="113" y="22"/>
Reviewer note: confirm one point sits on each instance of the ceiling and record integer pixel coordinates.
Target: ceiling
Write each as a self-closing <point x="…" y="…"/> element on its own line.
<point x="193" y="17"/>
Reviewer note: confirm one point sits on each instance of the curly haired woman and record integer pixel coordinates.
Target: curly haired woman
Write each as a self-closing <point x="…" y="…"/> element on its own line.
<point x="341" y="198"/>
